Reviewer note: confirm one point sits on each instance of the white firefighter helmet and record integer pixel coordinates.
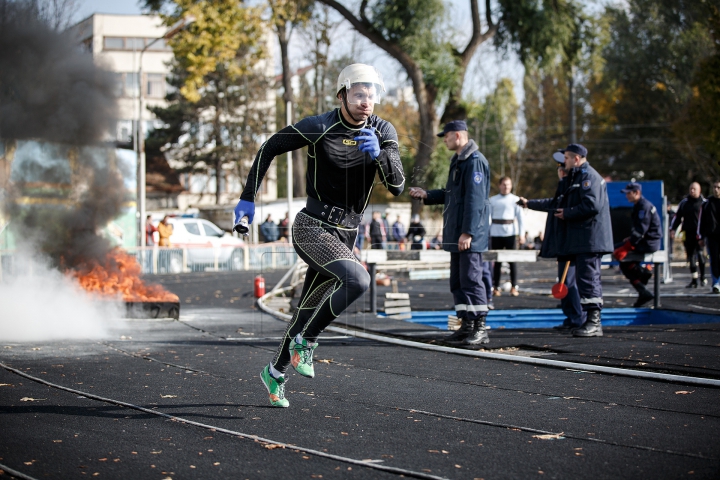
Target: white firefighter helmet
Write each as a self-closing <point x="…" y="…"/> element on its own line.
<point x="360" y="73"/>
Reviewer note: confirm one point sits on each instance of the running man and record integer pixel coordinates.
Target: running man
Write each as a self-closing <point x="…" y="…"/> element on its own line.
<point x="347" y="148"/>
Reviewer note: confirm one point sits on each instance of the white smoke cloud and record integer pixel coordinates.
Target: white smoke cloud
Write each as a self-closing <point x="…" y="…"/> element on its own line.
<point x="38" y="303"/>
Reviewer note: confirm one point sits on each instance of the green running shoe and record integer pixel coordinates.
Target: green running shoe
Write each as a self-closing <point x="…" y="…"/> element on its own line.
<point x="301" y="357"/>
<point x="275" y="388"/>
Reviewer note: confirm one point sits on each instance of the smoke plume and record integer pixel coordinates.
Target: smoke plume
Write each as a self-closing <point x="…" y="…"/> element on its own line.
<point x="49" y="89"/>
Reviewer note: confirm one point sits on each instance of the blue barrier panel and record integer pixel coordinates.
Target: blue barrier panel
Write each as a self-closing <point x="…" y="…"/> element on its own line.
<point x="548" y="318"/>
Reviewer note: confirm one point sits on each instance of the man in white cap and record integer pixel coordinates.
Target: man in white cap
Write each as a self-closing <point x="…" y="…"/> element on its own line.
<point x="347" y="148"/>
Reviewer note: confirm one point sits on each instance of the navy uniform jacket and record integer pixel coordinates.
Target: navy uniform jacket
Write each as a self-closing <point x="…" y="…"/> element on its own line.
<point x="467" y="209"/>
<point x="553" y="241"/>
<point x="646" y="233"/>
<point x="586" y="208"/>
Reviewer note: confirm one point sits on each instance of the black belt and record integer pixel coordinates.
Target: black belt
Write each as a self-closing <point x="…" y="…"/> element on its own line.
<point x="502" y="222"/>
<point x="332" y="214"/>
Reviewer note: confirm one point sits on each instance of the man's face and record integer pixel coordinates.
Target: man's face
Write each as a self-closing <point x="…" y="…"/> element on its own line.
<point x="451" y="140"/>
<point x="633" y="196"/>
<point x="361" y="101"/>
<point x="695" y="190"/>
<point x="505" y="187"/>
<point x="572" y="160"/>
<point x="716" y="189"/>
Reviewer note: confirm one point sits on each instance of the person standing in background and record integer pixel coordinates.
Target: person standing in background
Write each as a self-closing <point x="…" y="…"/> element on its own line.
<point x="553" y="246"/>
<point x="165" y="229"/>
<point x="504" y="232"/>
<point x="709" y="233"/>
<point x="584" y="214"/>
<point x="466" y="218"/>
<point x="688" y="212"/>
<point x="378" y="233"/>
<point x="398" y="232"/>
<point x="150" y="229"/>
<point x="416" y="233"/>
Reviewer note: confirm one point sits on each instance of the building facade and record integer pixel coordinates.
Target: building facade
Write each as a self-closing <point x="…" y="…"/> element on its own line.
<point x="116" y="43"/>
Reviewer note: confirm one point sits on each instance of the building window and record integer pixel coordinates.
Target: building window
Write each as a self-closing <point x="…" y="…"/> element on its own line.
<point x="130" y="84"/>
<point x="113" y="43"/>
<point x="135" y="44"/>
<point x="155" y="85"/>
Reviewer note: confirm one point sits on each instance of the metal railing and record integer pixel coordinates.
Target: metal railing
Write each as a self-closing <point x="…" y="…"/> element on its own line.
<point x="170" y="260"/>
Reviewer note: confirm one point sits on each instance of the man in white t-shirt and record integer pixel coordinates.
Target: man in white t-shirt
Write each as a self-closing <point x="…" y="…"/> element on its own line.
<point x="507" y="224"/>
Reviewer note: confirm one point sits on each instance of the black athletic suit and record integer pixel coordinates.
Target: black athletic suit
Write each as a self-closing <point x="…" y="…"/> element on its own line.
<point x="688" y="213"/>
<point x="340" y="177"/>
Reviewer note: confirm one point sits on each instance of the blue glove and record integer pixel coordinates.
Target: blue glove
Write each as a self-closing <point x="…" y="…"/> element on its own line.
<point x="244" y="209"/>
<point x="370" y="143"/>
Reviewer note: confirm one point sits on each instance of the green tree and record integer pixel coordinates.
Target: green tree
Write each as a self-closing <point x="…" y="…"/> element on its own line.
<point x="217" y="113"/>
<point x="651" y="55"/>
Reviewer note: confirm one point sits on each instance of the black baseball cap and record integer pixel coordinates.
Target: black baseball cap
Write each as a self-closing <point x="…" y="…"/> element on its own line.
<point x="454" y="126"/>
<point x="632" y="187"/>
<point x="575" y="148"/>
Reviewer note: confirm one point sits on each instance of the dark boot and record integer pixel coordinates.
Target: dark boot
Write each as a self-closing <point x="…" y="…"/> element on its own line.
<point x="564" y="327"/>
<point x="693" y="283"/>
<point x="644" y="295"/>
<point x="479" y="334"/>
<point x="466" y="328"/>
<point x="592" y="327"/>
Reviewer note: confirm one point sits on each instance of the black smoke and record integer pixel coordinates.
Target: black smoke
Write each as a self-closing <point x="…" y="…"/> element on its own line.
<point x="52" y="93"/>
<point x="49" y="89"/>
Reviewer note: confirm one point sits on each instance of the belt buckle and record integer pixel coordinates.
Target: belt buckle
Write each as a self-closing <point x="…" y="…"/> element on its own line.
<point x="334" y="217"/>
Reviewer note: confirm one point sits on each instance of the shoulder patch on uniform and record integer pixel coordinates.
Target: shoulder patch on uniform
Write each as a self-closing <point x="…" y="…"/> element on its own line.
<point x="349" y="142"/>
<point x="586" y="184"/>
<point x="641" y="214"/>
<point x="477" y="178"/>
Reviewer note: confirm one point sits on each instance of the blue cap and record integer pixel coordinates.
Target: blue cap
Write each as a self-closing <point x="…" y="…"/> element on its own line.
<point x="454" y="126"/>
<point x="575" y="148"/>
<point x="632" y="187"/>
<point x="559" y="157"/>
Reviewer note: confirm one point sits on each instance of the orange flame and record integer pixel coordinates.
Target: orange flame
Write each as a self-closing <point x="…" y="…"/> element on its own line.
<point x="119" y="275"/>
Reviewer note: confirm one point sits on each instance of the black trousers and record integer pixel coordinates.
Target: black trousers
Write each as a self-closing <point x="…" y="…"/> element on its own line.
<point x="713" y="246"/>
<point x="333" y="281"/>
<point x="503" y="243"/>
<point x="694" y="251"/>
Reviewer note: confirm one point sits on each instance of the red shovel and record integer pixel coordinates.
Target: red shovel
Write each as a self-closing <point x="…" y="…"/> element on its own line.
<point x="560" y="290"/>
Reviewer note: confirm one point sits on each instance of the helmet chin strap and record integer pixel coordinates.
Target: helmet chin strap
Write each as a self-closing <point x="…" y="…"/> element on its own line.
<point x="347" y="109"/>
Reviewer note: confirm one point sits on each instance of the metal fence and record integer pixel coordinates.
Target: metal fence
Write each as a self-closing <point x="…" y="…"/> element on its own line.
<point x="168" y="260"/>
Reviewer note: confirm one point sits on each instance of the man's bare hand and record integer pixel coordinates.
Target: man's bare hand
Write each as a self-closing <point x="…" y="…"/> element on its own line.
<point x="464" y="242"/>
<point x="701" y="242"/>
<point x="672" y="234"/>
<point x="522" y="202"/>
<point x="559" y="214"/>
<point x="417" y="192"/>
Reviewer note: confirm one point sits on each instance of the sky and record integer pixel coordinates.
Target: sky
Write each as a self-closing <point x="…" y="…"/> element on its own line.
<point x="88" y="7"/>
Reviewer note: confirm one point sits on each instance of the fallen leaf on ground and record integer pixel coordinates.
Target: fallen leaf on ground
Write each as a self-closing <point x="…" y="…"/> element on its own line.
<point x="168" y="396"/>
<point x="5" y="384"/>
<point x="272" y="446"/>
<point x="30" y="399"/>
<point x="324" y="360"/>
<point x="683" y="392"/>
<point x="550" y="436"/>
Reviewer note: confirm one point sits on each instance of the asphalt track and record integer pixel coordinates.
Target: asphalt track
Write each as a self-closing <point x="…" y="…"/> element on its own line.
<point x="182" y="399"/>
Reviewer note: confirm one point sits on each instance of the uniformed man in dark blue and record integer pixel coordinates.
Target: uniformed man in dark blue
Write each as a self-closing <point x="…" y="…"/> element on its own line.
<point x="552" y="247"/>
<point x="466" y="218"/>
<point x="584" y="212"/>
<point x="645" y="237"/>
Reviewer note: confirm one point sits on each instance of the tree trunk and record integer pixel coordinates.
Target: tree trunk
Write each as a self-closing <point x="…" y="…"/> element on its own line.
<point x="298" y="161"/>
